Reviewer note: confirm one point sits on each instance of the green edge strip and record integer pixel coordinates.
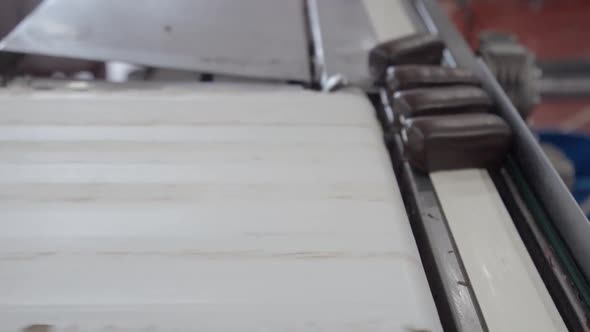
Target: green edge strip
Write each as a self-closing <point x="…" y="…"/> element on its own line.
<point x="550" y="232"/>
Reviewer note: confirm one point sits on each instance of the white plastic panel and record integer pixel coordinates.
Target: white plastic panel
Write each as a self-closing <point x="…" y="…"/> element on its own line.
<point x="509" y="290"/>
<point x="213" y="211"/>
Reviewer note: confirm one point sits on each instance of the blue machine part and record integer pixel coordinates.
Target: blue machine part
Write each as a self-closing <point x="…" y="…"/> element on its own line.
<point x="576" y="147"/>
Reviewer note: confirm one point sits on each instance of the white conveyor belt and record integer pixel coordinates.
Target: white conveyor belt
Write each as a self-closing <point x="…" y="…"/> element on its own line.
<point x="216" y="211"/>
<point x="508" y="288"/>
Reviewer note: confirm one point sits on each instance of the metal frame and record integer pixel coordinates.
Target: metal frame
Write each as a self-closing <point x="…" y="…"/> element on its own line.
<point x="454" y="296"/>
<point x="456" y="302"/>
<point x="343" y="35"/>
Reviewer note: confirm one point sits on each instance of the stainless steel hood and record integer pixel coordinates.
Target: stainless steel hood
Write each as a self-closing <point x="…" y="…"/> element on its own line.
<point x="255" y="38"/>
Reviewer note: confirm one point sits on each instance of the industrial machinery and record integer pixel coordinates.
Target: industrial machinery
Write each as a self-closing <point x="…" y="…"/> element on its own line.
<point x="272" y="165"/>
